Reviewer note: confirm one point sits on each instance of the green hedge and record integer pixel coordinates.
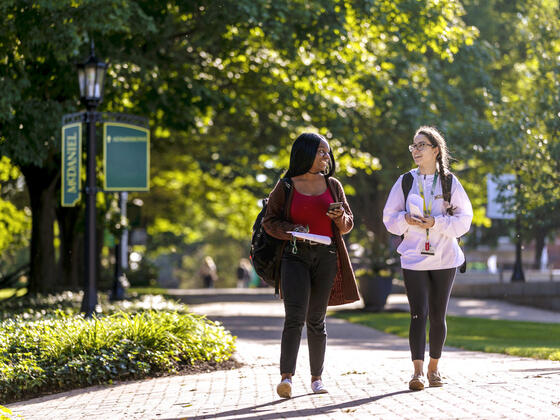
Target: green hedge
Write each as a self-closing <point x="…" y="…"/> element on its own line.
<point x="65" y="351"/>
<point x="69" y="303"/>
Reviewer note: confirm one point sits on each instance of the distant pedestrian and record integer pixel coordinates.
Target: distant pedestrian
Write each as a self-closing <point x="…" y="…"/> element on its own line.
<point x="430" y="253"/>
<point x="313" y="275"/>
<point x="208" y="272"/>
<point x="244" y="273"/>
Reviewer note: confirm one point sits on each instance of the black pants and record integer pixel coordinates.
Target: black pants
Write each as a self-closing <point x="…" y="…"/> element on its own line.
<point x="208" y="281"/>
<point x="428" y="295"/>
<point x="307" y="279"/>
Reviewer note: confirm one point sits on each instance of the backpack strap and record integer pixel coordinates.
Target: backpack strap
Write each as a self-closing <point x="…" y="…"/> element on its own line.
<point x="446" y="184"/>
<point x="406" y="185"/>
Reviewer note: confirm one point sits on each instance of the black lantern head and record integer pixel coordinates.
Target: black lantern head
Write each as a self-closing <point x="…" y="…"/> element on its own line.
<point x="91" y="75"/>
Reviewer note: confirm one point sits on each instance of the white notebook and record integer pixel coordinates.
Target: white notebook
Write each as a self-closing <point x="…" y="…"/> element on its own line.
<point x="415" y="205"/>
<point x="322" y="239"/>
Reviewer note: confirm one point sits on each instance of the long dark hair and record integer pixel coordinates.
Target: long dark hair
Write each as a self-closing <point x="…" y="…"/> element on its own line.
<point x="303" y="155"/>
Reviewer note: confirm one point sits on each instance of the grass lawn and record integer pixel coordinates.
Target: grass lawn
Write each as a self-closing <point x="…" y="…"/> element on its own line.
<point x="516" y="338"/>
<point x="147" y="290"/>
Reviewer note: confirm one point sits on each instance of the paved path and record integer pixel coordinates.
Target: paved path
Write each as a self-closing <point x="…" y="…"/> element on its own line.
<point x="366" y="372"/>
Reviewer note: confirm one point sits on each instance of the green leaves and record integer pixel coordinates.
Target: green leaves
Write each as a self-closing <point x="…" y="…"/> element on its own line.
<point x="525" y="115"/>
<point x="228" y="86"/>
<point x="15" y="223"/>
<point x="59" y="351"/>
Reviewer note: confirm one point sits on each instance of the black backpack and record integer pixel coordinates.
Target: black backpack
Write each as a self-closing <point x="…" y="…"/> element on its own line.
<point x="266" y="251"/>
<point x="446" y="192"/>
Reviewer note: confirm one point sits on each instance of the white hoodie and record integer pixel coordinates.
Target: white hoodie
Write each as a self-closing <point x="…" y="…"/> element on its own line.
<point x="444" y="233"/>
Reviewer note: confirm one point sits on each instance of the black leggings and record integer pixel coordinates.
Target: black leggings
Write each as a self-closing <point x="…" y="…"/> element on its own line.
<point x="428" y="295"/>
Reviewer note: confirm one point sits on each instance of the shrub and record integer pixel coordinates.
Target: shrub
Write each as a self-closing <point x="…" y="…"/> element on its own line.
<point x="44" y="306"/>
<point x="63" y="351"/>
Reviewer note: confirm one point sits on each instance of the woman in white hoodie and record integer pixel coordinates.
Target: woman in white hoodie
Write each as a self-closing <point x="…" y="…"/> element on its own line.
<point x="435" y="212"/>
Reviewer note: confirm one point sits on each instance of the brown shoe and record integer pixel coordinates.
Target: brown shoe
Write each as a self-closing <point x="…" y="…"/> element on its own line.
<point x="284" y="388"/>
<point x="434" y="379"/>
<point x="416" y="383"/>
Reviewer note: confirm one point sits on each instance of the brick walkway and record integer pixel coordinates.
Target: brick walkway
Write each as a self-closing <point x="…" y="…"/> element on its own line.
<point x="366" y="373"/>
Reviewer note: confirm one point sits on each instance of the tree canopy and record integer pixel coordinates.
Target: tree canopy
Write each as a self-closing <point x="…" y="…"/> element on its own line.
<point x="228" y="85"/>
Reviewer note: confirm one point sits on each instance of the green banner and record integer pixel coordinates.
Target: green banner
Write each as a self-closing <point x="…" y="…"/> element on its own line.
<point x="71" y="164"/>
<point x="126" y="156"/>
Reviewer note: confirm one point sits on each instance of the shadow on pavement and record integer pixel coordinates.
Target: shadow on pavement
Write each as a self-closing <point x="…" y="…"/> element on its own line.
<point x="254" y="412"/>
<point x="223" y="295"/>
<point x="542" y="371"/>
<point x="340" y="333"/>
<point x="252" y="327"/>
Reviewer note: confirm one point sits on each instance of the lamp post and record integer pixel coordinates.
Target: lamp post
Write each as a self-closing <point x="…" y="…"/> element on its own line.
<point x="90" y="77"/>
<point x="121" y="256"/>
<point x="517" y="275"/>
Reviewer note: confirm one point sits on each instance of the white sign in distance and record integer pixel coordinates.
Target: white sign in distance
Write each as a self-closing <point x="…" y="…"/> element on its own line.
<point x="498" y="209"/>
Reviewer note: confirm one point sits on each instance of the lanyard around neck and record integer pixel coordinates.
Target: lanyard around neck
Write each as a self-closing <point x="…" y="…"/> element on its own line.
<point x="427" y="208"/>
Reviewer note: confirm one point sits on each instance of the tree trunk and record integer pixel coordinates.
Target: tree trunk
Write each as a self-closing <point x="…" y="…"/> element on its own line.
<point x="368" y="206"/>
<point x="100" y="236"/>
<point x="71" y="255"/>
<point x="540" y="236"/>
<point x="41" y="184"/>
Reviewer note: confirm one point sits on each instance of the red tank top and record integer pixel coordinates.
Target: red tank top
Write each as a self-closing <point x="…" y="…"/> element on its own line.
<point x="311" y="210"/>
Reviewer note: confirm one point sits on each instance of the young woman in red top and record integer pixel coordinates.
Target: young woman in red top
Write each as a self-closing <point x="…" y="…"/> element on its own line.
<point x="309" y="270"/>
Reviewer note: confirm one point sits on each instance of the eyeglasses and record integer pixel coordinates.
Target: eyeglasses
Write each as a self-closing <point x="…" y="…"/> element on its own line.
<point x="322" y="152"/>
<point x="419" y="146"/>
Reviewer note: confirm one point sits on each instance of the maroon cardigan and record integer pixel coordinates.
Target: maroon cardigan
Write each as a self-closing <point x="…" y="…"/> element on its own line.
<point x="276" y="224"/>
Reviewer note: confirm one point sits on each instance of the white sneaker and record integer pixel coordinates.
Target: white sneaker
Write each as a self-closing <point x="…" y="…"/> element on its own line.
<point x="284" y="388"/>
<point x="318" y="388"/>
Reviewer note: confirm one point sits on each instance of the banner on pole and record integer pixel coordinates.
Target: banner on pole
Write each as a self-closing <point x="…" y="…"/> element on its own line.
<point x="71" y="164"/>
<point x="126" y="157"/>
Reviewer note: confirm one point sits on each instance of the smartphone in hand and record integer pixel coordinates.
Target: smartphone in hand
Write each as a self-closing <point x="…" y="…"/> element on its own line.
<point x="335" y="206"/>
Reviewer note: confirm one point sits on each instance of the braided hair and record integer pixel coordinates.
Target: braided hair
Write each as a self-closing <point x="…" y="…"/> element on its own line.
<point x="443" y="157"/>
